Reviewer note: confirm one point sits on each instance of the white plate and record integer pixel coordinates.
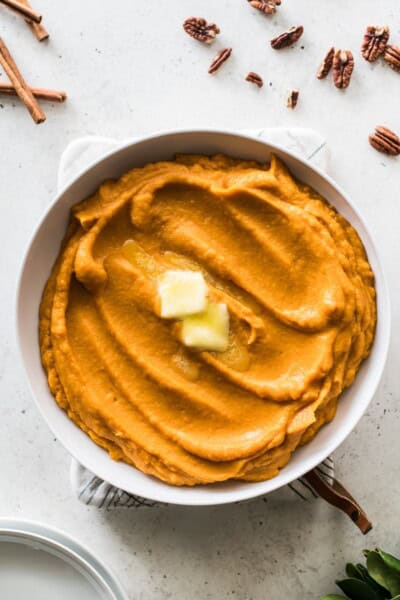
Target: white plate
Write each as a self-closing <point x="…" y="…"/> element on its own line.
<point x="44" y="247"/>
<point x="45" y="564"/>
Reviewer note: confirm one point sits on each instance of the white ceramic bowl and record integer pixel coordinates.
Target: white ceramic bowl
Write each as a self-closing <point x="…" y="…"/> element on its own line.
<point x="43" y="249"/>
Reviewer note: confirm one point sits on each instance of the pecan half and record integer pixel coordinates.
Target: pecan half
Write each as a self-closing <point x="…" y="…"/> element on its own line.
<point x="219" y="60"/>
<point x="326" y="64"/>
<point x="198" y="28"/>
<point x="392" y="57"/>
<point x="255" y="78"/>
<point x="374" y="42"/>
<point x="266" y="6"/>
<point x="287" y="38"/>
<point x="385" y="141"/>
<point x="292" y="98"/>
<point x="343" y="65"/>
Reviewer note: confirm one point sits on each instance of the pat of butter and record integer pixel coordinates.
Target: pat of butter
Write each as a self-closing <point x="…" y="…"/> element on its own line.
<point x="208" y="330"/>
<point x="182" y="293"/>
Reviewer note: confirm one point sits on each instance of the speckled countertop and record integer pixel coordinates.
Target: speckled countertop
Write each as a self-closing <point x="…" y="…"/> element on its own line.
<point x="129" y="69"/>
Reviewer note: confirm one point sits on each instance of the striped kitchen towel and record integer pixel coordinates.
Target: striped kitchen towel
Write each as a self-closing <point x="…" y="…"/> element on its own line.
<point x="94" y="491"/>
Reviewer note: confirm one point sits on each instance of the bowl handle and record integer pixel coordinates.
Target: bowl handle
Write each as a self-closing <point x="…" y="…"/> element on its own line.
<point x="336" y="494"/>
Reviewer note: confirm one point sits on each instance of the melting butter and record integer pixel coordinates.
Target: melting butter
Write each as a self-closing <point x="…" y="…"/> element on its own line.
<point x="182" y="293"/>
<point x="208" y="330"/>
<point x="140" y="258"/>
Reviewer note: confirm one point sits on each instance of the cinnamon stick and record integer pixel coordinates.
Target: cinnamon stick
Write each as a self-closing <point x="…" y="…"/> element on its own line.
<point x="26" y="11"/>
<point x="20" y="84"/>
<point x="37" y="28"/>
<point x="40" y="93"/>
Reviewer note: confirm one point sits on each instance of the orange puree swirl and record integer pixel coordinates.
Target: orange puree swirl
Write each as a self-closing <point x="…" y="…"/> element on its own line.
<point x="301" y="299"/>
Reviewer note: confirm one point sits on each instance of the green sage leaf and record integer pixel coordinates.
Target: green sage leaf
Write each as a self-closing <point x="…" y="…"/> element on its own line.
<point x="391" y="561"/>
<point x="382" y="574"/>
<point x="353" y="571"/>
<point x="376" y="568"/>
<point x="357" y="590"/>
<point x="333" y="597"/>
<point x="382" y="592"/>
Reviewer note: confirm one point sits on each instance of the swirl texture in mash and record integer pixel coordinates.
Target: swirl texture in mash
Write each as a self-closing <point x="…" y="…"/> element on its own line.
<point x="301" y="299"/>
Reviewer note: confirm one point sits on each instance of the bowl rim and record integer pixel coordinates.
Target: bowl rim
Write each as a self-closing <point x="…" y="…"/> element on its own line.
<point x="249" y="491"/>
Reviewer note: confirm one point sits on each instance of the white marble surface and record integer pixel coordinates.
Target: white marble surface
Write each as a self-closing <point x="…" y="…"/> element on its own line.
<point x="129" y="69"/>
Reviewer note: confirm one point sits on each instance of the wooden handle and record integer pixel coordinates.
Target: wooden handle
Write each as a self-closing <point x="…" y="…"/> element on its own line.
<point x="334" y="493"/>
